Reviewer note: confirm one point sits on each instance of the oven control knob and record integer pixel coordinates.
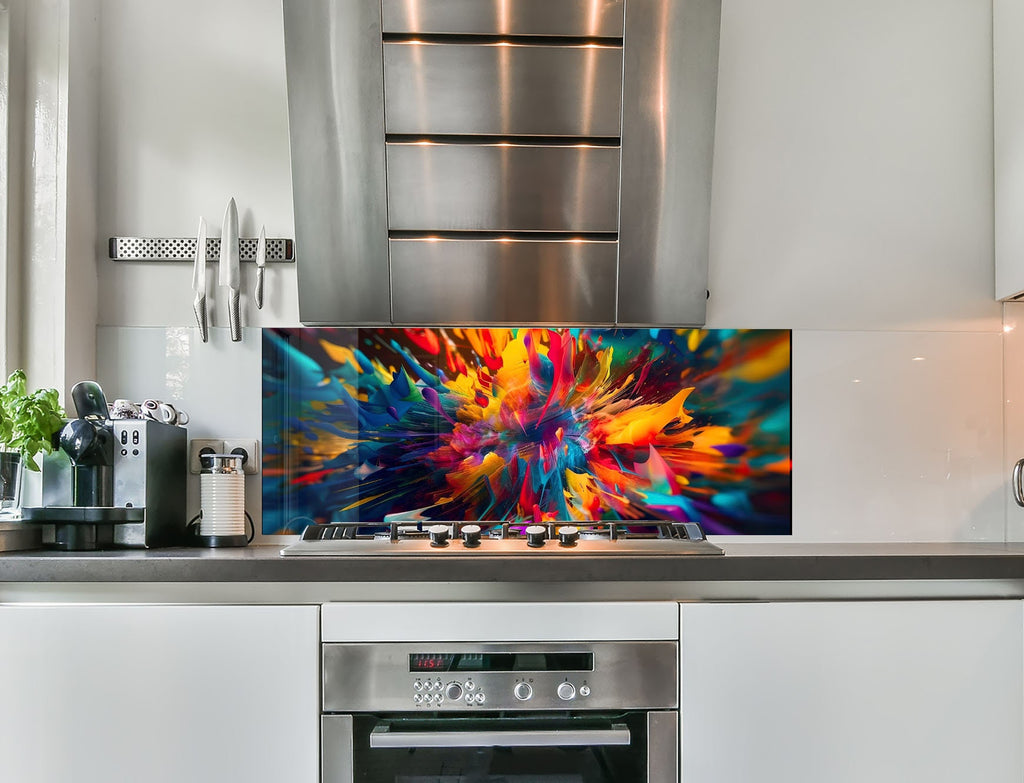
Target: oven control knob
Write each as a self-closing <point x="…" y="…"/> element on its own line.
<point x="453" y="692"/>
<point x="470" y="535"/>
<point x="438" y="535"/>
<point x="584" y="690"/>
<point x="566" y="691"/>
<point x="522" y="691"/>
<point x="568" y="535"/>
<point x="535" y="535"/>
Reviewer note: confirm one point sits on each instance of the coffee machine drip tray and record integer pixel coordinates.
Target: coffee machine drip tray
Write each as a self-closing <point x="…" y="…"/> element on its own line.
<point x="77" y="528"/>
<point x="90" y="515"/>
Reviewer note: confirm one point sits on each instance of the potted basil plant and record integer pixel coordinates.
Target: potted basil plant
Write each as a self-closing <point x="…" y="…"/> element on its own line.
<point x="28" y="423"/>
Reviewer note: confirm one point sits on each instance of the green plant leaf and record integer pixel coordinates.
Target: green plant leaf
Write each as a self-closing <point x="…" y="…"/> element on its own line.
<point x="28" y="421"/>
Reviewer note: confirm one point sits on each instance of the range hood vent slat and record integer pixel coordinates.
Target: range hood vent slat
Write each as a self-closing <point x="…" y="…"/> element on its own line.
<point x="508" y="141"/>
<point x="511" y="236"/>
<point x="491" y="39"/>
<point x="603" y="18"/>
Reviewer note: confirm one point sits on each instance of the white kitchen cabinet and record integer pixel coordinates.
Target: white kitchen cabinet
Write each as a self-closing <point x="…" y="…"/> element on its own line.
<point x="1008" y="131"/>
<point x="161" y="694"/>
<point x="852" y="692"/>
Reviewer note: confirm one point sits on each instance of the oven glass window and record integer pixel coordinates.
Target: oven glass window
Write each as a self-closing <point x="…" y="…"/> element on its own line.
<point x="482" y="759"/>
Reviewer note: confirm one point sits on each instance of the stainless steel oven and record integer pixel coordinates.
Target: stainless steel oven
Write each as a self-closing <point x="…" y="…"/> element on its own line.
<point x="518" y="712"/>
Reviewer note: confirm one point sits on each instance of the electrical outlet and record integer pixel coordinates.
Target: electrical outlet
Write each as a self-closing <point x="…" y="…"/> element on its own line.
<point x="249" y="449"/>
<point x="198" y="446"/>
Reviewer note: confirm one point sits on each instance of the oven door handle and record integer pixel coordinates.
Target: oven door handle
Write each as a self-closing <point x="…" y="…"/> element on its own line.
<point x="383" y="737"/>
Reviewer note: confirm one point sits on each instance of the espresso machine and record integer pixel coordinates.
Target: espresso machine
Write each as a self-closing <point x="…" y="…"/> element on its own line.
<point x="117" y="482"/>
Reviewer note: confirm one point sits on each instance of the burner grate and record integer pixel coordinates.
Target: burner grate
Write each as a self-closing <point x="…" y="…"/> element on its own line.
<point x="605" y="531"/>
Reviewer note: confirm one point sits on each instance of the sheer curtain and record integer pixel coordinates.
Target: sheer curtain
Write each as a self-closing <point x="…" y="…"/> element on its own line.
<point x="48" y="151"/>
<point x="6" y="319"/>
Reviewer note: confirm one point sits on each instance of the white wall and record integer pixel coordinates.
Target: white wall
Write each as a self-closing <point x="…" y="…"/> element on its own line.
<point x="193" y="112"/>
<point x="852" y="203"/>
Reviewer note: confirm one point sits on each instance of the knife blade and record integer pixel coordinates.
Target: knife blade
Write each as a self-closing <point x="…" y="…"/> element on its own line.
<point x="199" y="281"/>
<point x="261" y="262"/>
<point x="229" y="272"/>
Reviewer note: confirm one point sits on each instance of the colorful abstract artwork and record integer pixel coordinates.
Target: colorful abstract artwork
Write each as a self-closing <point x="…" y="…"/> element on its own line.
<point x="527" y="425"/>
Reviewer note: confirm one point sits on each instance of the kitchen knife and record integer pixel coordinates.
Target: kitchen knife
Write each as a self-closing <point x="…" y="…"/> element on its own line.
<point x="261" y="262"/>
<point x="199" y="281"/>
<point x="229" y="274"/>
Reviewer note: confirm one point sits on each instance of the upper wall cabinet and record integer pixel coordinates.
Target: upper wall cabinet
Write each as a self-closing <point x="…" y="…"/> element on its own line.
<point x="502" y="161"/>
<point x="1008" y="105"/>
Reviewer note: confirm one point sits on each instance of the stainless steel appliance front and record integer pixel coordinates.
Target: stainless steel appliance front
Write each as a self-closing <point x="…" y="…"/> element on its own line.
<point x="597" y="712"/>
<point x="490" y="89"/>
<point x="472" y="269"/>
<point x="478" y="120"/>
<point x="482" y="187"/>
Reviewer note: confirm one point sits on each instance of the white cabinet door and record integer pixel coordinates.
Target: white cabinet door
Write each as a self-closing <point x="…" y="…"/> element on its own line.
<point x="1008" y="120"/>
<point x="160" y="694"/>
<point x="858" y="692"/>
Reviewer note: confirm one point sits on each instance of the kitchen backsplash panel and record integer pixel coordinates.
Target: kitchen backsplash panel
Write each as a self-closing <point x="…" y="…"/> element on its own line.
<point x="528" y="424"/>
<point x="896" y="436"/>
<point x="217" y="383"/>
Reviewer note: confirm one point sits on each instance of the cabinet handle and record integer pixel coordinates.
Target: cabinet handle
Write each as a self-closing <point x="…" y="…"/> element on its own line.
<point x="1018" y="487"/>
<point x="382" y="737"/>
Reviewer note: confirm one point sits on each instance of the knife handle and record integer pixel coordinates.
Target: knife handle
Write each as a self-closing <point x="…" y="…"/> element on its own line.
<point x="258" y="294"/>
<point x="199" y="306"/>
<point x="234" y="317"/>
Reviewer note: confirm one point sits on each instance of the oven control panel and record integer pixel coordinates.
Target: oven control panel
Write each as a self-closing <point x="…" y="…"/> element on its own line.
<point x="434" y="693"/>
<point x="513" y="676"/>
<point x="440" y="692"/>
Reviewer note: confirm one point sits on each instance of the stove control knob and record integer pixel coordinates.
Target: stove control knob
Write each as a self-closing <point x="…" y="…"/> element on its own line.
<point x="470" y="535"/>
<point x="438" y="535"/>
<point x="522" y="691"/>
<point x="453" y="692"/>
<point x="535" y="535"/>
<point x="584" y="690"/>
<point x="566" y="691"/>
<point x="568" y="535"/>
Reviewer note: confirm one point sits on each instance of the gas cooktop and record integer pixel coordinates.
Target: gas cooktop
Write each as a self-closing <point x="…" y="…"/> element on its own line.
<point x="550" y="539"/>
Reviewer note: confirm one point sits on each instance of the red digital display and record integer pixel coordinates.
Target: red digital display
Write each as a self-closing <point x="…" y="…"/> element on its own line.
<point x="430" y="662"/>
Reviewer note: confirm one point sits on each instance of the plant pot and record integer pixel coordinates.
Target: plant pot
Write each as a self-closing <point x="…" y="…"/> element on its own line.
<point x="11" y="469"/>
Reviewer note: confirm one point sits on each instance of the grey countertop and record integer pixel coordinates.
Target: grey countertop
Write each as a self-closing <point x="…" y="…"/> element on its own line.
<point x="742" y="562"/>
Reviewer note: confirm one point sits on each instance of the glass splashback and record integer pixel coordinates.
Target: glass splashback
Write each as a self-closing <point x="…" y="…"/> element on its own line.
<point x="527" y="425"/>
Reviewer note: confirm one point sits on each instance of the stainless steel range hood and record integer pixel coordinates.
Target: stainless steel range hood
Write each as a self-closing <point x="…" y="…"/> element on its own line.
<point x="502" y="161"/>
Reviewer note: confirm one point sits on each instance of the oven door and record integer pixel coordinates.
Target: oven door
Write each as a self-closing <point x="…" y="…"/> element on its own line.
<point x="630" y="747"/>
